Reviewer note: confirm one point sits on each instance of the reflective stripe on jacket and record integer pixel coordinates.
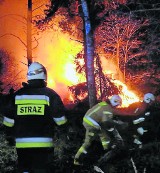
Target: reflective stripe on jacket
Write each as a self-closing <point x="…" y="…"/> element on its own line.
<point x="88" y="120"/>
<point x="8" y="122"/>
<point x="98" y="114"/>
<point x="34" y="142"/>
<point x="33" y="112"/>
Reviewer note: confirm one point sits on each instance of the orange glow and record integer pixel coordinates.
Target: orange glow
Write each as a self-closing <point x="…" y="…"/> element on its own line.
<point x="55" y="50"/>
<point x="128" y="97"/>
<point x="60" y="55"/>
<point x="62" y="71"/>
<point x="70" y="73"/>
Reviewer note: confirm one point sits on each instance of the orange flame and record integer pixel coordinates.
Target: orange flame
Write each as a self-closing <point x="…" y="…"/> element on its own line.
<point x="62" y="70"/>
<point x="58" y="55"/>
<point x="128" y="97"/>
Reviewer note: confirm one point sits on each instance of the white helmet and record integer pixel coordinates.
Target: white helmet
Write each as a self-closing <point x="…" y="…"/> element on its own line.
<point x="115" y="100"/>
<point x="148" y="98"/>
<point x="36" y="71"/>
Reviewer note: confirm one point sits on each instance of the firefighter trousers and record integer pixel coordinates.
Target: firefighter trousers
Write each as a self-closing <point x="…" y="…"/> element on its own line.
<point x="92" y="134"/>
<point x="35" y="160"/>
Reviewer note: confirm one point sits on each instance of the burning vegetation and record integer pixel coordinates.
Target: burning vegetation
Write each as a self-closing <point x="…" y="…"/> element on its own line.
<point x="126" y="62"/>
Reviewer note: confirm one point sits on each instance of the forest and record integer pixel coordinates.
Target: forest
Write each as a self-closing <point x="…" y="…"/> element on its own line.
<point x="121" y="41"/>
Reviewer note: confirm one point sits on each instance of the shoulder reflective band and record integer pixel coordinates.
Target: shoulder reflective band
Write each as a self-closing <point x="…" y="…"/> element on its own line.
<point x="102" y="103"/>
<point x="8" y="122"/>
<point x="94" y="110"/>
<point x="91" y="122"/>
<point x="32" y="99"/>
<point x="34" y="142"/>
<point x="30" y="110"/>
<point x="60" y="121"/>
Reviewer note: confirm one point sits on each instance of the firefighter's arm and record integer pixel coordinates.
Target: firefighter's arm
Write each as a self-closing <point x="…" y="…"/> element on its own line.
<point x="123" y="112"/>
<point x="8" y="124"/>
<point x="140" y="110"/>
<point x="111" y="123"/>
<point x="9" y="121"/>
<point x="58" y="110"/>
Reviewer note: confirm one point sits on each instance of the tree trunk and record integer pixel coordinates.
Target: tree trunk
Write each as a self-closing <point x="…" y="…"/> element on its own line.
<point x="29" y="32"/>
<point x="89" y="54"/>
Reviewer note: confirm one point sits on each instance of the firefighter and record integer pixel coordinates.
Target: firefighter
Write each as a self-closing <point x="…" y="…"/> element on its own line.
<point x="138" y="115"/>
<point x="33" y="114"/>
<point x="143" y="118"/>
<point x="100" y="121"/>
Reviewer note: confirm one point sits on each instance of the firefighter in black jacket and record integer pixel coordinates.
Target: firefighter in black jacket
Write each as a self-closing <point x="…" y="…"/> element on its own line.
<point x="143" y="121"/>
<point x="32" y="114"/>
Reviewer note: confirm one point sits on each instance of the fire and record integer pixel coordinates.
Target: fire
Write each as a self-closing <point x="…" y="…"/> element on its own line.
<point x="62" y="72"/>
<point x="70" y="73"/>
<point x="58" y="55"/>
<point x="128" y="97"/>
<point x="56" y="51"/>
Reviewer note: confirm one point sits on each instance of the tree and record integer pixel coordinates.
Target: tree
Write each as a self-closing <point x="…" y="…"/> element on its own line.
<point x="88" y="45"/>
<point x="29" y="32"/>
<point x="31" y="40"/>
<point x="10" y="76"/>
<point x="118" y="38"/>
<point x="126" y="21"/>
<point x="89" y="54"/>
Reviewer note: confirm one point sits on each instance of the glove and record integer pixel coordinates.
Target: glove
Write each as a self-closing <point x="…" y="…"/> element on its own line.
<point x="141" y="131"/>
<point x="137" y="141"/>
<point x="139" y="120"/>
<point x="110" y="130"/>
<point x="147" y="113"/>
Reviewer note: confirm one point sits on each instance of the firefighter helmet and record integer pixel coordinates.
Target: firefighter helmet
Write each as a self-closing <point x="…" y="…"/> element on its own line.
<point x="148" y="98"/>
<point x="36" y="71"/>
<point x="115" y="100"/>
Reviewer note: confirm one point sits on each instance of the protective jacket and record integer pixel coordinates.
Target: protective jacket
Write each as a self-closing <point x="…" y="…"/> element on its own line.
<point x="33" y="112"/>
<point x="98" y="114"/>
<point x="98" y="121"/>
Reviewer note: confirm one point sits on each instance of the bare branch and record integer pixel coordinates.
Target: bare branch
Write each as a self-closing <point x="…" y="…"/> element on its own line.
<point x="134" y="166"/>
<point x="36" y="44"/>
<point x="77" y="40"/>
<point x="14" y="36"/>
<point x="14" y="15"/>
<point x="144" y="10"/>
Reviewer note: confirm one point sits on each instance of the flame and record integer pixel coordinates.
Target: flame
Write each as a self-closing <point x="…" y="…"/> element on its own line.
<point x="60" y="53"/>
<point x="128" y="97"/>
<point x="62" y="72"/>
<point x="55" y="50"/>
